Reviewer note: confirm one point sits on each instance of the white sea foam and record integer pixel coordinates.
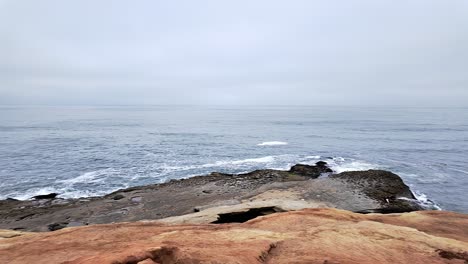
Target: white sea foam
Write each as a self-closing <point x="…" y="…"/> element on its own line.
<point x="313" y="157"/>
<point x="273" y="143"/>
<point x="92" y="176"/>
<point x="267" y="159"/>
<point x="353" y="166"/>
<point x="341" y="164"/>
<point x="424" y="201"/>
<point x="221" y="163"/>
<point x="32" y="192"/>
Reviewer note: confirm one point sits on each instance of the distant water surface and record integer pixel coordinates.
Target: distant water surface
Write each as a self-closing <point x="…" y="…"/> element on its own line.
<point x="89" y="151"/>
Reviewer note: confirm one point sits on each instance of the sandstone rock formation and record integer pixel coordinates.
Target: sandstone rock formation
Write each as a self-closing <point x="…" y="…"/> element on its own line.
<point x="306" y="236"/>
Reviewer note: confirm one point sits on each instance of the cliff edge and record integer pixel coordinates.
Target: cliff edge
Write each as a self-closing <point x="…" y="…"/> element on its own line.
<point x="307" y="236"/>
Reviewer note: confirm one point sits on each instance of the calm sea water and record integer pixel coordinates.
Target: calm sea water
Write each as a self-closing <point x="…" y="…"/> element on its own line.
<point x="88" y="151"/>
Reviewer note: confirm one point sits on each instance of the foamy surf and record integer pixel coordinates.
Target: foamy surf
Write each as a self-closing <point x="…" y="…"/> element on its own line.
<point x="92" y="176"/>
<point x="273" y="143"/>
<point x="104" y="181"/>
<point x="341" y="164"/>
<point x="425" y="202"/>
<point x="223" y="164"/>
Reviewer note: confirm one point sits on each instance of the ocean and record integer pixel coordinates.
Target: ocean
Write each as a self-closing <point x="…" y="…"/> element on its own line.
<point x="91" y="151"/>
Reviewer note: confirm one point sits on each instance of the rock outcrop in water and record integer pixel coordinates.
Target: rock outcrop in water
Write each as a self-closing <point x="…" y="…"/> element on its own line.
<point x="206" y="199"/>
<point x="306" y="236"/>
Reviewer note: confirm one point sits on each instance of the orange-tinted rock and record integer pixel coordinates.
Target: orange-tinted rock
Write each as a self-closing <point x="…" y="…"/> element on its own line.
<point x="307" y="236"/>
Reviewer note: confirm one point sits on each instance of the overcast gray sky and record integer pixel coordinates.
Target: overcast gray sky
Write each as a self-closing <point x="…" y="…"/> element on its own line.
<point x="234" y="52"/>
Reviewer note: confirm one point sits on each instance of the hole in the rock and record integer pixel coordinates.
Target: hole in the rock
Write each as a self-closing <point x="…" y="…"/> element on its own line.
<point x="241" y="217"/>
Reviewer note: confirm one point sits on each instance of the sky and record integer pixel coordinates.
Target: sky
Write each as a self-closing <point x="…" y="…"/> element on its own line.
<point x="113" y="52"/>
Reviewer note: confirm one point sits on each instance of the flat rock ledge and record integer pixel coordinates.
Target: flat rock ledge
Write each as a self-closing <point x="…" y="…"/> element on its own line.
<point x="321" y="235"/>
<point x="218" y="198"/>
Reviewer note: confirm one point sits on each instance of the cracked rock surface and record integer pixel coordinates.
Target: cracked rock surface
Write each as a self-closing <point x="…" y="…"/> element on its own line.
<point x="321" y="235"/>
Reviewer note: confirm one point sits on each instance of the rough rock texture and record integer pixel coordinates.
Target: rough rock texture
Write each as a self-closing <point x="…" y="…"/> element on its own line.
<point x="384" y="186"/>
<point x="306" y="236"/>
<point x="364" y="191"/>
<point x="310" y="171"/>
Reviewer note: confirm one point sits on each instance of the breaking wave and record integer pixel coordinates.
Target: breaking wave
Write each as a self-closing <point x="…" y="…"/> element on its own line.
<point x="104" y="181"/>
<point x="273" y="143"/>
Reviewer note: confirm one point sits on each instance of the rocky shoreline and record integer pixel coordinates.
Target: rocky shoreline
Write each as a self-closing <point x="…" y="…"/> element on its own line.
<point x="218" y="197"/>
<point x="265" y="216"/>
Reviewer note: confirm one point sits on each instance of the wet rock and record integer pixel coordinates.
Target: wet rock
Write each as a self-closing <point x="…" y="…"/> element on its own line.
<point x="310" y="171"/>
<point x="45" y="196"/>
<point x="321" y="164"/>
<point x="378" y="184"/>
<point x="383" y="186"/>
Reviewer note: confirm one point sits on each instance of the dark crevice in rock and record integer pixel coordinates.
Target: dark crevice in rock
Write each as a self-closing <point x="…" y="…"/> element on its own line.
<point x="388" y="210"/>
<point x="266" y="254"/>
<point x="118" y="197"/>
<point x="244" y="216"/>
<point x="453" y="255"/>
<point x="57" y="226"/>
<point x="25" y="216"/>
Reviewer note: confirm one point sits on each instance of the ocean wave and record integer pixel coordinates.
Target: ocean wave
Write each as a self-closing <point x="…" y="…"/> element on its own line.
<point x="341" y="164"/>
<point x="221" y="164"/>
<point x="425" y="202"/>
<point x="91" y="177"/>
<point x="267" y="159"/>
<point x="458" y="170"/>
<point x="313" y="157"/>
<point x="353" y="166"/>
<point x="65" y="192"/>
<point x="273" y="143"/>
<point x="31" y="192"/>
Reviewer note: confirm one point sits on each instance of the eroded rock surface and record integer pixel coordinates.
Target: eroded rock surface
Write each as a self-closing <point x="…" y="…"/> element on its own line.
<point x="306" y="236"/>
<point x="298" y="188"/>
